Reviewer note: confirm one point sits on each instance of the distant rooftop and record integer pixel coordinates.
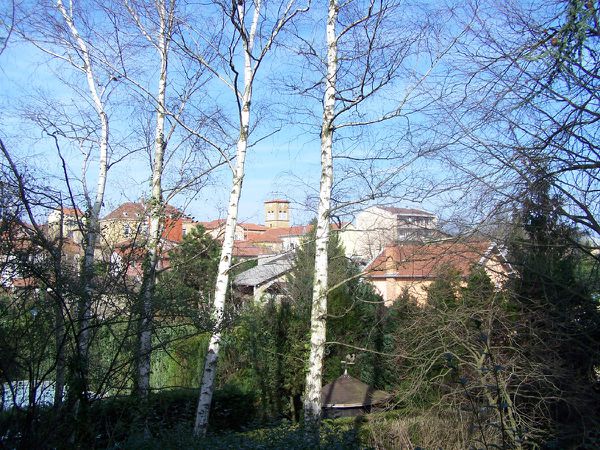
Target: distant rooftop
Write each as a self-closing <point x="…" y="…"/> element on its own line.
<point x="406" y="211"/>
<point x="133" y="210"/>
<point x="272" y="267"/>
<point x="419" y="260"/>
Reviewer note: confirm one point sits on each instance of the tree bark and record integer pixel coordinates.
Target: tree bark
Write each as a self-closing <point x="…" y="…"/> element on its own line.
<point x="312" y="394"/>
<point x="212" y="355"/>
<point x="156" y="209"/>
<point x="93" y="226"/>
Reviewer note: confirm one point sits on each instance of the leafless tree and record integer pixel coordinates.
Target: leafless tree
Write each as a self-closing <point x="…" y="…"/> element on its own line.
<point x="249" y="29"/>
<point x="521" y="95"/>
<point x="65" y="32"/>
<point x="366" y="58"/>
<point x="7" y="22"/>
<point x="179" y="136"/>
<point x="159" y="37"/>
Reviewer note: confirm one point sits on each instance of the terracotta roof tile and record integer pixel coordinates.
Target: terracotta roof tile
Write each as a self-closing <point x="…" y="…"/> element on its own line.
<point x="252" y="226"/>
<point x="24" y="282"/>
<point x="213" y="224"/>
<point x="72" y="212"/>
<point x="425" y="260"/>
<point x="276" y="234"/>
<point x="246" y="249"/>
<point x="131" y="210"/>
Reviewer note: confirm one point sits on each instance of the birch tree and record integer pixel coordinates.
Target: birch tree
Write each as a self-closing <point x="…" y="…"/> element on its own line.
<point x="254" y="29"/>
<point x="160" y="41"/>
<point x="366" y="58"/>
<point x="64" y="32"/>
<point x="94" y="207"/>
<point x="318" y="324"/>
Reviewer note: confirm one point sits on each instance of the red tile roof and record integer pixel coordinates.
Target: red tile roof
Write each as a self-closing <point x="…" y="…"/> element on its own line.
<point x="264" y="237"/>
<point x="246" y="249"/>
<point x="276" y="234"/>
<point x="213" y="224"/>
<point x="252" y="226"/>
<point x="131" y="210"/>
<point x="72" y="212"/>
<point x="426" y="260"/>
<point x="128" y="210"/>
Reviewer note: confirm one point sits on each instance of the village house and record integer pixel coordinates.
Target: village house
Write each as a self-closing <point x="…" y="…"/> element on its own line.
<point x="379" y="226"/>
<point x="128" y="257"/>
<point x="281" y="239"/>
<point x="252" y="240"/>
<point x="66" y="222"/>
<point x="216" y="229"/>
<point x="411" y="267"/>
<point x="24" y="255"/>
<point x="130" y="221"/>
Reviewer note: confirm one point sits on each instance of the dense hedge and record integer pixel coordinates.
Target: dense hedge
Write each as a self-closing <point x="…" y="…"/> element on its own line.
<point x="114" y="421"/>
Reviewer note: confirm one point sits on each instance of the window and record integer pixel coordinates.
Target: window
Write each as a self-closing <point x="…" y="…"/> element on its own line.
<point x="282" y="215"/>
<point x="270" y="215"/>
<point x="126" y="230"/>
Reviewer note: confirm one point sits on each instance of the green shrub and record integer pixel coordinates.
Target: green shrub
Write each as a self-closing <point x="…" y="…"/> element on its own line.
<point x="116" y="422"/>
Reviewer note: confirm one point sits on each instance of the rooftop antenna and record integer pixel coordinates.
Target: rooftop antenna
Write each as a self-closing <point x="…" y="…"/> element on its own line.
<point x="349" y="361"/>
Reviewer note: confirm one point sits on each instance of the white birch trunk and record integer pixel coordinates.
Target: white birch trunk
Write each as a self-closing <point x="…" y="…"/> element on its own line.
<point x="212" y="355"/>
<point x="312" y="394"/>
<point x="93" y="227"/>
<point x="156" y="212"/>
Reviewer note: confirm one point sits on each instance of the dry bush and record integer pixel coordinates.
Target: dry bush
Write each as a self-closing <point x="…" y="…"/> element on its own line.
<point x="431" y="429"/>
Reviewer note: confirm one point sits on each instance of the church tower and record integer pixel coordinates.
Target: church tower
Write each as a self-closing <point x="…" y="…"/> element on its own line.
<point x="277" y="214"/>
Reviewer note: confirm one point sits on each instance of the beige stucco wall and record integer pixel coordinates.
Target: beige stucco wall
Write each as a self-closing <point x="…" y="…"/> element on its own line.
<point x="113" y="230"/>
<point x="350" y="238"/>
<point x="375" y="229"/>
<point x="70" y="227"/>
<point x="391" y="288"/>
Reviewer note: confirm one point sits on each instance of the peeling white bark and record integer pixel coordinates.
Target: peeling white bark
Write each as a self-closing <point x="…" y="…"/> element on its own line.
<point x="156" y="208"/>
<point x="244" y="98"/>
<point x="93" y="224"/>
<point x="314" y="377"/>
<point x="210" y="363"/>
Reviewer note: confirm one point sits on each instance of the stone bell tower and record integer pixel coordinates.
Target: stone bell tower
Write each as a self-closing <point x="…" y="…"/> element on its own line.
<point x="277" y="214"/>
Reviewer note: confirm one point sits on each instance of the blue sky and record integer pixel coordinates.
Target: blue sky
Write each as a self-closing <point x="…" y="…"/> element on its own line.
<point x="284" y="165"/>
<point x="273" y="166"/>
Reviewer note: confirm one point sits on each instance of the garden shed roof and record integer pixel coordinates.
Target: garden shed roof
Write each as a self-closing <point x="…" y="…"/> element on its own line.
<point x="347" y="392"/>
